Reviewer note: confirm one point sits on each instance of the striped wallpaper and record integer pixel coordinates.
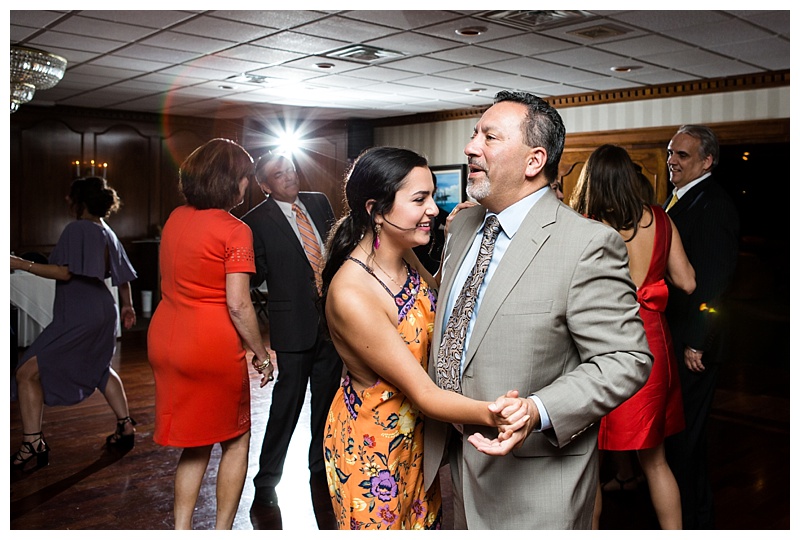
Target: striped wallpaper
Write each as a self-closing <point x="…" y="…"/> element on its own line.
<point x="443" y="142"/>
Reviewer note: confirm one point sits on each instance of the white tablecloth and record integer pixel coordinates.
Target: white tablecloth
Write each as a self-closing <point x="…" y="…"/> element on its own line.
<point x="34" y="297"/>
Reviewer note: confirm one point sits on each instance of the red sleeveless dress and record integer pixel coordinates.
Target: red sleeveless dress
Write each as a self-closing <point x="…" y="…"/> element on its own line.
<point x="655" y="411"/>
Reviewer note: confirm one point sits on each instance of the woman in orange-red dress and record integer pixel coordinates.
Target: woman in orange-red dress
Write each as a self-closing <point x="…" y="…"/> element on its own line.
<point x="196" y="334"/>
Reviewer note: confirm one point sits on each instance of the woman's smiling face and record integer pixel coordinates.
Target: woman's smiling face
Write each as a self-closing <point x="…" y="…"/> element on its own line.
<point x="413" y="211"/>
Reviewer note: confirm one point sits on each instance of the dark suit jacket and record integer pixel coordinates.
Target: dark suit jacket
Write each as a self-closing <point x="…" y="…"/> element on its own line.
<point x="294" y="314"/>
<point x="708" y="223"/>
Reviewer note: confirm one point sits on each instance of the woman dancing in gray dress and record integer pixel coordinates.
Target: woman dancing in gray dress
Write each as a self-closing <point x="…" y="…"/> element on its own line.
<point x="72" y="356"/>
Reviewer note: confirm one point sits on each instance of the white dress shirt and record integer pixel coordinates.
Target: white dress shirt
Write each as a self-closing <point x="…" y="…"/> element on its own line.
<point x="682" y="191"/>
<point x="287" y="210"/>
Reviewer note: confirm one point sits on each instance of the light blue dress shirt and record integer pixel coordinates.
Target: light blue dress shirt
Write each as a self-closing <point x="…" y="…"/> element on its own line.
<point x="510" y="220"/>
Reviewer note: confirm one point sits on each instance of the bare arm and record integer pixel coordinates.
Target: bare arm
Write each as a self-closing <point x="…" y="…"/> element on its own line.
<point x="243" y="316"/>
<point x="679" y="270"/>
<point x="127" y="313"/>
<point x="372" y="347"/>
<point x="49" y="271"/>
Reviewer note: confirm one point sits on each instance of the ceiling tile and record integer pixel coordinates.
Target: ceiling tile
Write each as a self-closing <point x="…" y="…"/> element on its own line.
<point x="336" y="27"/>
<point x="411" y="43"/>
<point x="86" y="26"/>
<point x="129" y="53"/>
<point x="528" y="44"/>
<point x="472" y="55"/>
<point x="770" y="53"/>
<point x="34" y="18"/>
<point x="584" y="57"/>
<point x="731" y="31"/>
<point x="155" y="54"/>
<point x="222" y="29"/>
<point x="420" y="64"/>
<point x="665" y="21"/>
<point x="133" y="64"/>
<point x="299" y="43"/>
<point x="279" y="20"/>
<point x="401" y="19"/>
<point x="262" y="55"/>
<point x="448" y="29"/>
<point x="184" y="42"/>
<point x="49" y="40"/>
<point x="337" y="65"/>
<point x="155" y="19"/>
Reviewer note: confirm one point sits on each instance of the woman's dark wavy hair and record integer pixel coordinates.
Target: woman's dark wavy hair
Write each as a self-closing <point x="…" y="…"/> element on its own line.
<point x="209" y="177"/>
<point x="377" y="174"/>
<point x="93" y="195"/>
<point x="608" y="189"/>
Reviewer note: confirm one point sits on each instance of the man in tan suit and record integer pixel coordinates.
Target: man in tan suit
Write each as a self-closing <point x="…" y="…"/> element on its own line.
<point x="556" y="318"/>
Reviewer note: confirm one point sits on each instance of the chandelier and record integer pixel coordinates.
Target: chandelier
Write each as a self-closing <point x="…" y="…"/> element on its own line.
<point x="31" y="70"/>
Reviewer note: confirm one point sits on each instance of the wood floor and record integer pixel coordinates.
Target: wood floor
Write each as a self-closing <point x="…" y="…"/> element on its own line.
<point x="86" y="488"/>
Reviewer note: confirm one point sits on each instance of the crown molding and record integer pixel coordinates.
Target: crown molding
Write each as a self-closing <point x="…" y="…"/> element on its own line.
<point x="755" y="81"/>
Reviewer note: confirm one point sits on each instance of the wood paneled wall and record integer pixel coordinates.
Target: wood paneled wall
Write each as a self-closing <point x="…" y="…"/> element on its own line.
<point x="144" y="153"/>
<point x="647" y="147"/>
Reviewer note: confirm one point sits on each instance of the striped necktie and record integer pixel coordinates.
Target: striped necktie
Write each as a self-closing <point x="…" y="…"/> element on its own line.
<point x="672" y="201"/>
<point x="310" y="244"/>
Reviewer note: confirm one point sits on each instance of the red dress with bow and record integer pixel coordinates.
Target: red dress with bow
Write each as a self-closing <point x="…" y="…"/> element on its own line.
<point x="655" y="411"/>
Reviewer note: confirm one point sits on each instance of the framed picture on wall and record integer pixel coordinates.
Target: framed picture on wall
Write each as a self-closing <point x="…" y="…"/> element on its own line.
<point x="451" y="185"/>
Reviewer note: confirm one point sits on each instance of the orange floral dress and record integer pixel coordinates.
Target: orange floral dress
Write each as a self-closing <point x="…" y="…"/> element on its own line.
<point x="373" y="438"/>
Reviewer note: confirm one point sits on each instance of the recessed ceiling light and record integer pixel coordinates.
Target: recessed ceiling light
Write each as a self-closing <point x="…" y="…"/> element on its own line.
<point x="324" y="65"/>
<point x="226" y="87"/>
<point x="476" y="90"/>
<point x="625" y="69"/>
<point x="471" y="31"/>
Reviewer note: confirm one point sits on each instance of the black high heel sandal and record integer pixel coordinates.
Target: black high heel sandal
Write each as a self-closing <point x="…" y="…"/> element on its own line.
<point x="118" y="439"/>
<point x="27" y="452"/>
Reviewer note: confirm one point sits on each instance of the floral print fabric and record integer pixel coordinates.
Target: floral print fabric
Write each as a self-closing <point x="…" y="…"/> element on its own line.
<point x="373" y="438"/>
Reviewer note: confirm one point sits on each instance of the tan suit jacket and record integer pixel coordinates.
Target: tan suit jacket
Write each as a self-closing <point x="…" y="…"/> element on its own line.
<point x="559" y="318"/>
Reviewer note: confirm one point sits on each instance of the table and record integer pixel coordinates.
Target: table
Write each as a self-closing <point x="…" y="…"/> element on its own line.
<point x="34" y="296"/>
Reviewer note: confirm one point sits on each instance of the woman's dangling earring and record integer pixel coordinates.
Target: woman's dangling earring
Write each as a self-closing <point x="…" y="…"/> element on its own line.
<point x="377" y="242"/>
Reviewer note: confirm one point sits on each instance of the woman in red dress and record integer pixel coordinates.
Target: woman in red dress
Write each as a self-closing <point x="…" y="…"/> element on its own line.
<point x="608" y="190"/>
<point x="195" y="339"/>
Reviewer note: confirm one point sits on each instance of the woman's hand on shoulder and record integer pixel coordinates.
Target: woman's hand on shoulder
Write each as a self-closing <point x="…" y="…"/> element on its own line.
<point x="460" y="206"/>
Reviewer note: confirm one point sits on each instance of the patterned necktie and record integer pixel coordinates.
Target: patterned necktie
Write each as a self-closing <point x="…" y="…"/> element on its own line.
<point x="448" y="361"/>
<point x="672" y="201"/>
<point x="310" y="244"/>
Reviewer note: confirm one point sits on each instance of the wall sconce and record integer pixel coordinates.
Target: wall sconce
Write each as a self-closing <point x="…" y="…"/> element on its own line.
<point x="91" y="169"/>
<point x="31" y="70"/>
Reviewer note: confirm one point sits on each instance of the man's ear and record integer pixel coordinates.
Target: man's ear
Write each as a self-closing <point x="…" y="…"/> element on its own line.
<point x="537" y="159"/>
<point x="708" y="161"/>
